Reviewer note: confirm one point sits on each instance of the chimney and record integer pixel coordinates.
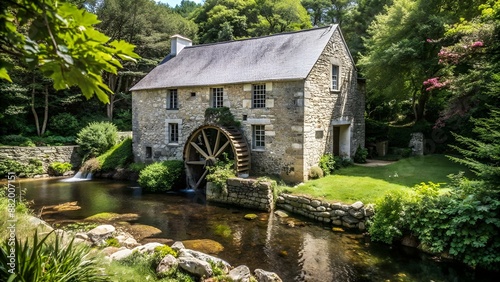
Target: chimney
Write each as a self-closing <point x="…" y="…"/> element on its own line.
<point x="177" y="43"/>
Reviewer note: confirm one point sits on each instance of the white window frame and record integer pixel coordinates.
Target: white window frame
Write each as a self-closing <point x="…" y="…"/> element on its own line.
<point x="258" y="136"/>
<point x="217" y="97"/>
<point x="335" y="77"/>
<point x="258" y="96"/>
<point x="172" y="99"/>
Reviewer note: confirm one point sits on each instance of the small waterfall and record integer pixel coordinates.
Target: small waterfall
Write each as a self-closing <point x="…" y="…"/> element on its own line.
<point x="79" y="176"/>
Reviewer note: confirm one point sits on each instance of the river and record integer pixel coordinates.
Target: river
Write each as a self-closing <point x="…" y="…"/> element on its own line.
<point x="307" y="252"/>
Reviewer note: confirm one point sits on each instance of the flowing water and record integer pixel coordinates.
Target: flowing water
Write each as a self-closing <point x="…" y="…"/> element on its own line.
<point x="307" y="252"/>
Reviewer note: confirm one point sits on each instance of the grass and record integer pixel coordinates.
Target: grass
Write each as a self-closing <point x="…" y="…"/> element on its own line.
<point x="367" y="184"/>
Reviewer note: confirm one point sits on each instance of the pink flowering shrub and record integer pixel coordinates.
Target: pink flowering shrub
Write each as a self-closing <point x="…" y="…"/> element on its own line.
<point x="434" y="83"/>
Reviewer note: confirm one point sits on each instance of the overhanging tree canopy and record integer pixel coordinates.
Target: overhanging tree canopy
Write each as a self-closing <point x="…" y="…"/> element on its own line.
<point x="59" y="39"/>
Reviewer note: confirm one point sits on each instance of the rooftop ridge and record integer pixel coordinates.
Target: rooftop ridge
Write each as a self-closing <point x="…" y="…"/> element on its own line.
<point x="262" y="37"/>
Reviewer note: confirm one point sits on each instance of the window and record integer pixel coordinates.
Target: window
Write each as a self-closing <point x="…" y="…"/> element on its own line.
<point x="259" y="96"/>
<point x="335" y="77"/>
<point x="172" y="100"/>
<point x="173" y="133"/>
<point x="217" y="97"/>
<point x="258" y="137"/>
<point x="149" y="152"/>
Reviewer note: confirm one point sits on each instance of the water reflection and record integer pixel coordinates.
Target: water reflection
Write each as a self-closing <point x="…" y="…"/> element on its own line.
<point x="308" y="252"/>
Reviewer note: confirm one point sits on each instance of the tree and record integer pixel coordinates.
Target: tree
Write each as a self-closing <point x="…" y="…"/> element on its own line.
<point x="399" y="57"/>
<point x="276" y="16"/>
<point x="226" y="18"/>
<point x="471" y="70"/>
<point x="60" y="40"/>
<point x="220" y="20"/>
<point x="147" y="25"/>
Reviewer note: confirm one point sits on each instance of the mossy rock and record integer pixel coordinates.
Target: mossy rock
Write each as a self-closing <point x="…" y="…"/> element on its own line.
<point x="106" y="217"/>
<point x="206" y="246"/>
<point x="141" y="231"/>
<point x="251" y="216"/>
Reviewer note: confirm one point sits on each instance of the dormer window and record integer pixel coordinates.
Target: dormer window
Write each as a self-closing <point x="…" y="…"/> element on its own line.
<point x="217" y="97"/>
<point x="335" y="77"/>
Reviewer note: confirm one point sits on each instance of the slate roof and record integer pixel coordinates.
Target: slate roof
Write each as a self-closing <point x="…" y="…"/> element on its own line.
<point x="285" y="56"/>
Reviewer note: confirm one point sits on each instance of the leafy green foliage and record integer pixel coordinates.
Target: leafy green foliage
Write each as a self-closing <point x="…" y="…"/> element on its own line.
<point x="139" y="266"/>
<point x="112" y="242"/>
<point x="327" y="163"/>
<point x="16" y="140"/>
<point x="222" y="20"/>
<point x="360" y="155"/>
<point x="137" y="167"/>
<point x="463" y="223"/>
<point x="220" y="172"/>
<point x="96" y="138"/>
<point x="119" y="156"/>
<point x="399" y="59"/>
<point x="221" y="116"/>
<point x="58" y="168"/>
<point x="482" y="153"/>
<point x="160" y="252"/>
<point x="62" y="42"/>
<point x="49" y="258"/>
<point x="33" y="167"/>
<point x="64" y="124"/>
<point x="388" y="223"/>
<point x="315" y="172"/>
<point x="161" y="176"/>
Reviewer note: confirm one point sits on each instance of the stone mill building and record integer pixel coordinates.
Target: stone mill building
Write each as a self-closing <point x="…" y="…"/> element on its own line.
<point x="293" y="97"/>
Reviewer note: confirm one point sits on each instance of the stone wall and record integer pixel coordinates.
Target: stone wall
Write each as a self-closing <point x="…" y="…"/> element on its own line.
<point x="248" y="193"/>
<point x="325" y="108"/>
<point x="282" y="119"/>
<point x="350" y="216"/>
<point x="47" y="155"/>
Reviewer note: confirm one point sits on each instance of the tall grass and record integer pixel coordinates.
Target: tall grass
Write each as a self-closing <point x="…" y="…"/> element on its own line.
<point x="48" y="258"/>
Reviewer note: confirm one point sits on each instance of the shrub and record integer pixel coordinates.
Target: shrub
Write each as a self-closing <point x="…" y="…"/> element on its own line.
<point x="360" y="155"/>
<point x="161" y="176"/>
<point x="161" y="251"/>
<point x="221" y="116"/>
<point x="96" y="138"/>
<point x="53" y="140"/>
<point x="57" y="168"/>
<point x="315" y="172"/>
<point x="119" y="156"/>
<point x="64" y="124"/>
<point x="341" y="162"/>
<point x="17" y="140"/>
<point x="327" y="164"/>
<point x="137" y="167"/>
<point x="221" y="172"/>
<point x="34" y="167"/>
<point x="49" y="259"/>
<point x="389" y="222"/>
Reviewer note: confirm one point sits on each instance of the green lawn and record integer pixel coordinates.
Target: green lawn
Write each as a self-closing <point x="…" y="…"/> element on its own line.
<point x="367" y="184"/>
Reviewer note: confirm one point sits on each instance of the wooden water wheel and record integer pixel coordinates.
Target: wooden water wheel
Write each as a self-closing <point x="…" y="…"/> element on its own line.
<point x="210" y="143"/>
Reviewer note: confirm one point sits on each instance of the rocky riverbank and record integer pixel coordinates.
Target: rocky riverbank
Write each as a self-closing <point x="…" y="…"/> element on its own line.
<point x="116" y="245"/>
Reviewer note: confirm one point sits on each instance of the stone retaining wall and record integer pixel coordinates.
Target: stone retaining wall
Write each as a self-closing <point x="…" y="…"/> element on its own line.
<point x="255" y="194"/>
<point x="350" y="216"/>
<point x="47" y="155"/>
<point x="248" y="193"/>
